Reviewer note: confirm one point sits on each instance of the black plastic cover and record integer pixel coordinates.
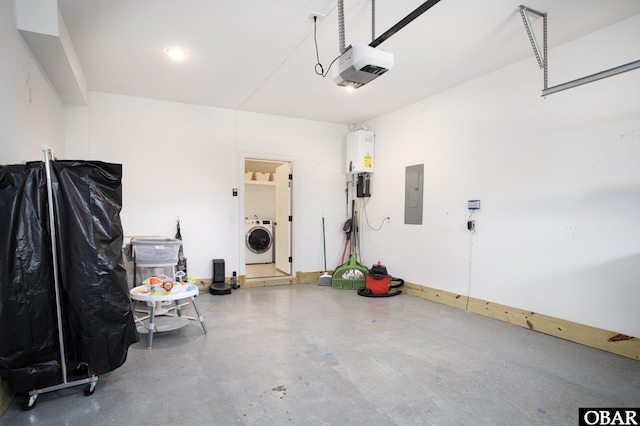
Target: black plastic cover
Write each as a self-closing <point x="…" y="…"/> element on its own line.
<point x="96" y="312"/>
<point x="28" y="334"/>
<point x="95" y="293"/>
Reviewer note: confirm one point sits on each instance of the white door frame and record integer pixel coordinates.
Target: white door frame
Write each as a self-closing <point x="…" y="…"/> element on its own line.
<point x="283" y="227"/>
<point x="246" y="155"/>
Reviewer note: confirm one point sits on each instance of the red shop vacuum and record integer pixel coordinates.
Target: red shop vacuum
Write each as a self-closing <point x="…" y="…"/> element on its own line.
<point x="379" y="283"/>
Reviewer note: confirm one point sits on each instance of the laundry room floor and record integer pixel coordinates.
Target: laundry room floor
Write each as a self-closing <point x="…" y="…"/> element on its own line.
<point x="313" y="355"/>
<point x="263" y="270"/>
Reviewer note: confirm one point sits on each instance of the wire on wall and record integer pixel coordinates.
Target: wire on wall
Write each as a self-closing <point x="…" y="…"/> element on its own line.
<point x="471" y="238"/>
<point x="366" y="218"/>
<point x="319" y="68"/>
<point x="474" y="205"/>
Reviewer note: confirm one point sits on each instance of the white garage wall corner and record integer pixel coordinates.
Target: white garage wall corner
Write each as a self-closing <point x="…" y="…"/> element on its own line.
<point x="182" y="161"/>
<point x="76" y="141"/>
<point x="31" y="113"/>
<point x="178" y="164"/>
<point x="558" y="179"/>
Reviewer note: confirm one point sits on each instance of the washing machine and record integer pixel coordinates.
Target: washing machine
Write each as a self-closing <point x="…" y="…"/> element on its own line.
<point x="259" y="241"/>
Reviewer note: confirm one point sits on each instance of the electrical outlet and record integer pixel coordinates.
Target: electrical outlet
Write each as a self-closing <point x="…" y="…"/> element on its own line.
<point x="471" y="225"/>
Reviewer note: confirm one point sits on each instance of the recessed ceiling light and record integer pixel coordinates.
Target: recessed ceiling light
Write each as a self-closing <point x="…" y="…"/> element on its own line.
<point x="176" y="53"/>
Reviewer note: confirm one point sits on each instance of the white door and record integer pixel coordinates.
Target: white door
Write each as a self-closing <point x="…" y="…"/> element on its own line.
<point x="283" y="214"/>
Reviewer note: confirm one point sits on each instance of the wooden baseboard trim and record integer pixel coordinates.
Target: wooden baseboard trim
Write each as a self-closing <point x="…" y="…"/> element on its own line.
<point x="266" y="282"/>
<point x="300" y="277"/>
<point x="605" y="340"/>
<point x="440" y="296"/>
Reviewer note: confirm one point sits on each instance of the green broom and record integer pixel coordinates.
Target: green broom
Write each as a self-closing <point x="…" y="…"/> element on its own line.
<point x="325" y="279"/>
<point x="350" y="276"/>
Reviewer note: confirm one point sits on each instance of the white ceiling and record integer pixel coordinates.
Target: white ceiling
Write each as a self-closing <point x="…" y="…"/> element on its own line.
<point x="259" y="56"/>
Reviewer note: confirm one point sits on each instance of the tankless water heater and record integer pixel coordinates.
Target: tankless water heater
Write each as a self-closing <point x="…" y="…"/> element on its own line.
<point x="360" y="152"/>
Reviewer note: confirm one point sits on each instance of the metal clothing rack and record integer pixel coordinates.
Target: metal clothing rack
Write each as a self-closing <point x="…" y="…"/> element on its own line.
<point x="93" y="379"/>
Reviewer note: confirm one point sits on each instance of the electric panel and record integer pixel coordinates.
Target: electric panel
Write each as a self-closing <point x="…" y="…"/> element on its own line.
<point x="413" y="194"/>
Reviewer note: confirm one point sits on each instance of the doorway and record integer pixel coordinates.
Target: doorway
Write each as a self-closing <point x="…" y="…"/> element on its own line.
<point x="268" y="227"/>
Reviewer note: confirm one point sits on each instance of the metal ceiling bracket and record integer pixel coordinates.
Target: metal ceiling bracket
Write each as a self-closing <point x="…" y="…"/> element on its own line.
<point x="593" y="77"/>
<point x="373" y="20"/>
<point x="542" y="60"/>
<point x="341" y="37"/>
<point x="527" y="26"/>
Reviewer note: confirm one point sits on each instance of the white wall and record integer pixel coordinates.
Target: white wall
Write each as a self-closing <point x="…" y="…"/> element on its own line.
<point x="183" y="161"/>
<point x="31" y="113"/>
<point x="558" y="177"/>
<point x="559" y="181"/>
<point x="259" y="201"/>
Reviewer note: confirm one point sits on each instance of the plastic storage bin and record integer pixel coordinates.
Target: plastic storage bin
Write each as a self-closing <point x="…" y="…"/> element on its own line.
<point x="155" y="251"/>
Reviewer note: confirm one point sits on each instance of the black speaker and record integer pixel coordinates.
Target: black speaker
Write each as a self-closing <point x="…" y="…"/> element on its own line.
<point x="218" y="270"/>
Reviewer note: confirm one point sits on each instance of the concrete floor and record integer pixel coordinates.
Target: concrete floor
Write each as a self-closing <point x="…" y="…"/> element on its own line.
<point x="313" y="355"/>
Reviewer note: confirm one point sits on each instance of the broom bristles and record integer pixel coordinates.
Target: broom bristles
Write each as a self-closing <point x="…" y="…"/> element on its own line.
<point x="325" y="279"/>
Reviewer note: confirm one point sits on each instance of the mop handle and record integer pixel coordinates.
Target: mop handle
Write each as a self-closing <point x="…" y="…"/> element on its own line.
<point x="324" y="246"/>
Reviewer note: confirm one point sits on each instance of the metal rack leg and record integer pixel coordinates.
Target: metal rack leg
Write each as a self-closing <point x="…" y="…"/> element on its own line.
<point x="151" y="327"/>
<point x="204" y="327"/>
<point x="88" y="390"/>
